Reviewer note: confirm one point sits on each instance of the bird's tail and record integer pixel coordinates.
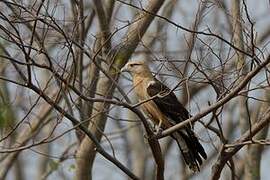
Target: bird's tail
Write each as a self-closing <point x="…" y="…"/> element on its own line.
<point x="191" y="148"/>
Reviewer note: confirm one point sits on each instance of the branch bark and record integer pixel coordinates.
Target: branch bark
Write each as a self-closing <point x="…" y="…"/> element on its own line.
<point x="234" y="92"/>
<point x="105" y="88"/>
<point x="226" y="154"/>
<point x="254" y="151"/>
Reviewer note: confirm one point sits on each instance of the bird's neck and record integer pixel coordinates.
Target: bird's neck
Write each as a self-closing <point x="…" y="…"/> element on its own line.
<point x="140" y="82"/>
<point x="143" y="76"/>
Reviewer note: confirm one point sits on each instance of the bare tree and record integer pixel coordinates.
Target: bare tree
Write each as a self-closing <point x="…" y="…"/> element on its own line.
<point x="67" y="112"/>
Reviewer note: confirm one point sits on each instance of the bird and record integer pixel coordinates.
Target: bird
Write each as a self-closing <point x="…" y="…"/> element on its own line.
<point x="162" y="107"/>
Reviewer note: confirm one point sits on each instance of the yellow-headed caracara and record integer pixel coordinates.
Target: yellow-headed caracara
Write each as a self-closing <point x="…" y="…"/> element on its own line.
<point x="165" y="110"/>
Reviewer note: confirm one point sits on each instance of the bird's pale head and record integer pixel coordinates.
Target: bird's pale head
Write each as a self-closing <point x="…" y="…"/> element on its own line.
<point x="136" y="67"/>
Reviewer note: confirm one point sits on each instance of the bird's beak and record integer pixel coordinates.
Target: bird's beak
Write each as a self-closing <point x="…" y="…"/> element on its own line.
<point x="125" y="69"/>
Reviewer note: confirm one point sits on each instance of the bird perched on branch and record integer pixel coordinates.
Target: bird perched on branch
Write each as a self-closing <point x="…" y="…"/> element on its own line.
<point x="164" y="109"/>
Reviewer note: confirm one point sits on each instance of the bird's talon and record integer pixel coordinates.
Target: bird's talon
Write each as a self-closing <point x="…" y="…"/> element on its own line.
<point x="158" y="132"/>
<point x="145" y="136"/>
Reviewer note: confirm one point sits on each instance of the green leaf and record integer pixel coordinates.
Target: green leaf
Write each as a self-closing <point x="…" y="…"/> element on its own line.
<point x="53" y="165"/>
<point x="72" y="167"/>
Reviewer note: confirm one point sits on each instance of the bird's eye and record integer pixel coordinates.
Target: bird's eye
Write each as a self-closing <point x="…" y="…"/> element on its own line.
<point x="131" y="65"/>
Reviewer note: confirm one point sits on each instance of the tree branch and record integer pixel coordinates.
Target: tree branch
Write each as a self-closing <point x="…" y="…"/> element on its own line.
<point x="219" y="103"/>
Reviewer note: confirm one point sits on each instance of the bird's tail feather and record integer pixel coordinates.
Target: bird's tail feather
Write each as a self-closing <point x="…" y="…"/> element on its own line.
<point x="191" y="148"/>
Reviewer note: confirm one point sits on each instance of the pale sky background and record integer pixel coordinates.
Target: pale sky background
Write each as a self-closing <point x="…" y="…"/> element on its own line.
<point x="260" y="13"/>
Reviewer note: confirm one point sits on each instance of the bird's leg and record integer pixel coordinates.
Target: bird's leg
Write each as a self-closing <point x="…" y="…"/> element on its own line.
<point x="158" y="129"/>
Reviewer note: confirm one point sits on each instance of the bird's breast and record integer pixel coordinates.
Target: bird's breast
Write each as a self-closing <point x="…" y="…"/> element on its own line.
<point x="148" y="106"/>
<point x="140" y="89"/>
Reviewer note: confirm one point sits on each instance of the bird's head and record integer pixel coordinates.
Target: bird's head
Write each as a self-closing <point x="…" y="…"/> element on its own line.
<point x="136" y="67"/>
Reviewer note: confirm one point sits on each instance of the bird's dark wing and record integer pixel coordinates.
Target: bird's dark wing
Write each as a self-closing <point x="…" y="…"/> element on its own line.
<point x="167" y="102"/>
